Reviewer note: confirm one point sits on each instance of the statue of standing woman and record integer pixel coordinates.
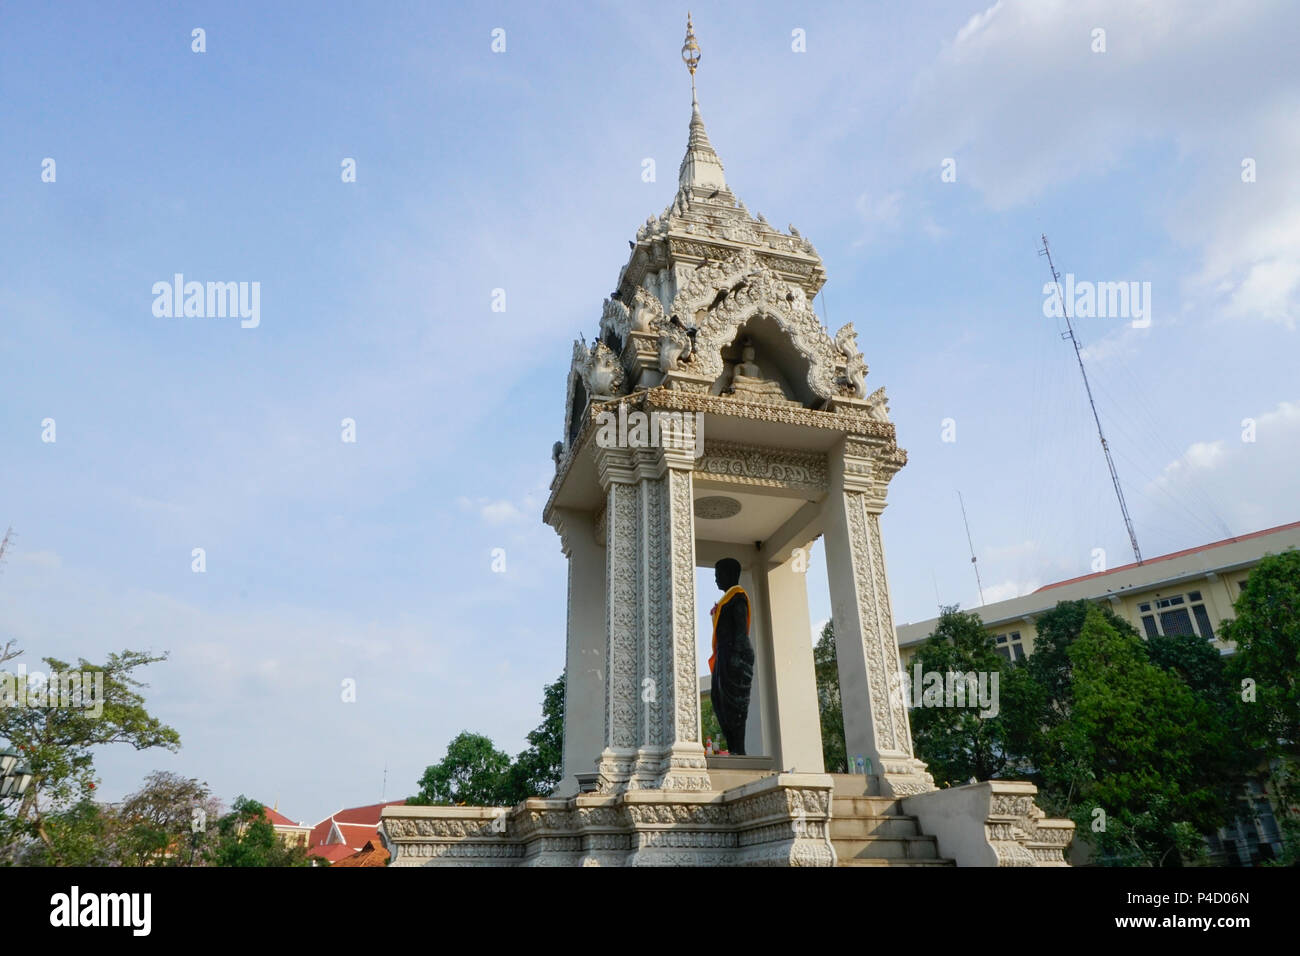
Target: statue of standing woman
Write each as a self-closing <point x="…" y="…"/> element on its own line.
<point x="732" y="663"/>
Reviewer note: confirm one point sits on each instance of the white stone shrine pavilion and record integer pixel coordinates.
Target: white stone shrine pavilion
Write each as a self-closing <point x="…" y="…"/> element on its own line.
<point x="714" y="416"/>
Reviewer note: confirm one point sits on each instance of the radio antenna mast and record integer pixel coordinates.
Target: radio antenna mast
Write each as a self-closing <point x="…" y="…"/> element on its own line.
<point x="973" y="562"/>
<point x="1110" y="462"/>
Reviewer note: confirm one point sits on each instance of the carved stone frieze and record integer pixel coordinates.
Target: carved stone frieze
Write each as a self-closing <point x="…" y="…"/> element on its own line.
<point x="758" y="465"/>
<point x="779" y="823"/>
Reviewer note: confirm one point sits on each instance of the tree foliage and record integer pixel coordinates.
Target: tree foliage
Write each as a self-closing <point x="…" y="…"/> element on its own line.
<point x="829" y="705"/>
<point x="538" y="769"/>
<point x="474" y="772"/>
<point x="1264" y="679"/>
<point x="58" y="743"/>
<point x="1266" y="630"/>
<point x="957" y="742"/>
<point x="1140" y="745"/>
<point x="1141" y="742"/>
<point x="710" y="729"/>
<point x="157" y="823"/>
<point x="245" y="837"/>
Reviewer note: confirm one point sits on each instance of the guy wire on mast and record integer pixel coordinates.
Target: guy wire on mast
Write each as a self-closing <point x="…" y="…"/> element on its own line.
<point x="973" y="563"/>
<point x="1110" y="462"/>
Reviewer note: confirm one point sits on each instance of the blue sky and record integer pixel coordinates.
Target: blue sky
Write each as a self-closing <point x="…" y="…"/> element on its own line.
<point x="521" y="170"/>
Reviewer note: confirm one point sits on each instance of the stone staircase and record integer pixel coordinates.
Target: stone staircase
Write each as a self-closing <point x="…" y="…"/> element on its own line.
<point x="870" y="830"/>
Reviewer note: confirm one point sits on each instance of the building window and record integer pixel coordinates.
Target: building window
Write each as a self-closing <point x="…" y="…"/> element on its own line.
<point x="1009" y="646"/>
<point x="1174" y="615"/>
<point x="1203" y="622"/>
<point x="1177" y="621"/>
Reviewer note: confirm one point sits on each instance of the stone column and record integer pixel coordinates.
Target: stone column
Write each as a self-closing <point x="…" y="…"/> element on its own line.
<point x="622" y="521"/>
<point x="875" y="716"/>
<point x="670" y="592"/>
<point x="651" y="555"/>
<point x="584" y="662"/>
<point x="796" y="735"/>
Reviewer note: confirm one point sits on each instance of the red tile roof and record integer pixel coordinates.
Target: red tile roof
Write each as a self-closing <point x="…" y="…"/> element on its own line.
<point x="368" y="815"/>
<point x="320" y="832"/>
<point x="372" y="854"/>
<point x="277" y="818"/>
<point x="355" y="825"/>
<point x="1167" y="557"/>
<point x="332" y="852"/>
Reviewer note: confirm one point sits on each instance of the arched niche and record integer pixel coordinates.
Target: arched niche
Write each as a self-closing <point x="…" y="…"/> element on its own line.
<point x="775" y="355"/>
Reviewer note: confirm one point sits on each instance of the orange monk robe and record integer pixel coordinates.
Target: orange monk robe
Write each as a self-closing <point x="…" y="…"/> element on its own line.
<point x="717" y="610"/>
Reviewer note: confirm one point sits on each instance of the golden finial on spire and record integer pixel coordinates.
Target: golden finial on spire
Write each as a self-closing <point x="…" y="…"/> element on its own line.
<point x="690" y="50"/>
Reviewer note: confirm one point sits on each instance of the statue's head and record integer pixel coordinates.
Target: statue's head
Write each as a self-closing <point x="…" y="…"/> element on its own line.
<point x="727" y="573"/>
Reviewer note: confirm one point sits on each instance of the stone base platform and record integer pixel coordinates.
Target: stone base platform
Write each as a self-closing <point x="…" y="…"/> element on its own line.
<point x="772" y="819"/>
<point x="755" y="816"/>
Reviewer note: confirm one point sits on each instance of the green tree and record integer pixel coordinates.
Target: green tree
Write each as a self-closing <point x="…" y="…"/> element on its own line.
<point x="473" y="772"/>
<point x="80" y="834"/>
<point x="156" y="822"/>
<point x="1264" y="680"/>
<point x="1039" y="697"/>
<point x="538" y="770"/>
<point x="957" y="742"/>
<point x="58" y="743"/>
<point x="830" y="707"/>
<point x="709" y="726"/>
<point x="245" y="837"/>
<point x="1138" y="744"/>
<point x="1266" y="630"/>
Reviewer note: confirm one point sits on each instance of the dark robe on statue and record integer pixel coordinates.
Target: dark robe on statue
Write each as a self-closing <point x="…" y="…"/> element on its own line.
<point x="732" y="666"/>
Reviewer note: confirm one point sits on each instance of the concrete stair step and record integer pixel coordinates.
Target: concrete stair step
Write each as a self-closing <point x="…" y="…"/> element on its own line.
<point x="864" y="806"/>
<point x="889" y="848"/>
<point x="861" y="826"/>
<point x="855" y="785"/>
<point x="868" y="829"/>
<point x="885" y="862"/>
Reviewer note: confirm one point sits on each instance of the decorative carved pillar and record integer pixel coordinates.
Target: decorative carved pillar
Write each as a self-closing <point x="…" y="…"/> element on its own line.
<point x="652" y="555"/>
<point x="675" y="732"/>
<point x="622" y="617"/>
<point x="875" y="720"/>
<point x="584" y="662"/>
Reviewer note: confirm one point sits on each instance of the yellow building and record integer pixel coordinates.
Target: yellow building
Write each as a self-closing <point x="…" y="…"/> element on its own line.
<point x="292" y="834"/>
<point x="1187" y="592"/>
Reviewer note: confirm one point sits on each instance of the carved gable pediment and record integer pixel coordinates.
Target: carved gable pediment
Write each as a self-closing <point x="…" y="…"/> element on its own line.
<point x="723" y="297"/>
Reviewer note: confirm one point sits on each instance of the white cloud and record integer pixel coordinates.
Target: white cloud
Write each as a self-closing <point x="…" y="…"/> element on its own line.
<point x="500" y="512"/>
<point x="1006" y="590"/>
<point x="1253" y="482"/>
<point x="493" y="512"/>
<point x="1203" y="454"/>
<point x="975" y="25"/>
<point x="1122" y="343"/>
<point x="1025" y="106"/>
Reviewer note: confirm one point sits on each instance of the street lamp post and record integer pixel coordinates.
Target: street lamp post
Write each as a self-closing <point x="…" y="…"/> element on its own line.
<point x="14" y="777"/>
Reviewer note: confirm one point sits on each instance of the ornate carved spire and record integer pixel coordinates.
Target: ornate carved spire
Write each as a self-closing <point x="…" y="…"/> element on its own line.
<point x="701" y="167"/>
